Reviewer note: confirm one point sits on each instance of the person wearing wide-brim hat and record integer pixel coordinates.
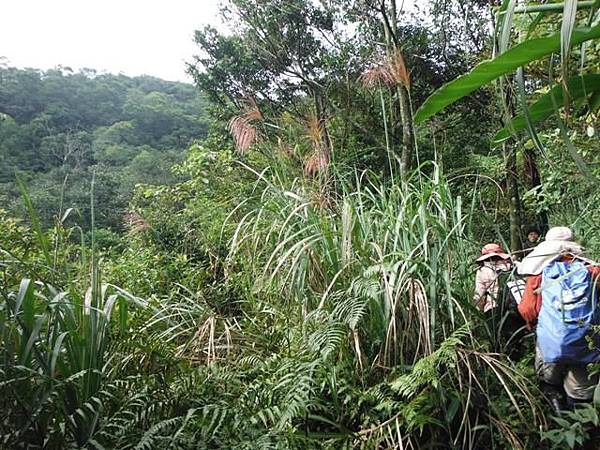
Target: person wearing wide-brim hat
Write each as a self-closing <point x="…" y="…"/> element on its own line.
<point x="558" y="291"/>
<point x="492" y="262"/>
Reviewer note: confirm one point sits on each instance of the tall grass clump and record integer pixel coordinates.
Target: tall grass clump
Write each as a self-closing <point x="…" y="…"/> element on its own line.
<point x="398" y="252"/>
<point x="54" y="343"/>
<point x="373" y="286"/>
<point x="54" y="357"/>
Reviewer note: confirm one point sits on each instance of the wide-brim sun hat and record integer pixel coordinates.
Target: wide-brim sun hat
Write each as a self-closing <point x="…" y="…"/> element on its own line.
<point x="490" y="250"/>
<point x="558" y="242"/>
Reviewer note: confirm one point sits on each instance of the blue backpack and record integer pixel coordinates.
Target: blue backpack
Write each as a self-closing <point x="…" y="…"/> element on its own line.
<point x="569" y="309"/>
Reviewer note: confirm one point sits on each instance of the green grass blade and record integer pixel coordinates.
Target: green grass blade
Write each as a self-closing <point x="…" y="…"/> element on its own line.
<point x="581" y="165"/>
<point x="25" y="291"/>
<point x="32" y="339"/>
<point x="566" y="31"/>
<point x="41" y="237"/>
<point x="56" y="351"/>
<point x="507" y="21"/>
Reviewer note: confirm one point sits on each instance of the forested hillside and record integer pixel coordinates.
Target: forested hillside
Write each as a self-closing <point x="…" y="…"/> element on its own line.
<point x="57" y="128"/>
<point x="304" y="276"/>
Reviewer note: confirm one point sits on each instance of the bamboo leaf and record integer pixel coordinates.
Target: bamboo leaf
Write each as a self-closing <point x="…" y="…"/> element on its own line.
<point x="33" y="338"/>
<point x="488" y="71"/>
<point x="566" y="30"/>
<point x="56" y="351"/>
<point x="66" y="215"/>
<point x="25" y="291"/>
<point x="578" y="86"/>
<point x="507" y="21"/>
<point x="41" y="237"/>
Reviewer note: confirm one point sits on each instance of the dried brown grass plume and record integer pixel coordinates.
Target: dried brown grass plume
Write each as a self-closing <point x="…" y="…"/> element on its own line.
<point x="135" y="222"/>
<point x="391" y="72"/>
<point x="242" y="130"/>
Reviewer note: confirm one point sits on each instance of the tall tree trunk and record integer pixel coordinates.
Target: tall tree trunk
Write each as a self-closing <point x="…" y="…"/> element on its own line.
<point x="512" y="193"/>
<point x="325" y="151"/>
<point x="509" y="149"/>
<point x="321" y="111"/>
<point x="408" y="139"/>
<point x="534" y="179"/>
<point x="390" y="28"/>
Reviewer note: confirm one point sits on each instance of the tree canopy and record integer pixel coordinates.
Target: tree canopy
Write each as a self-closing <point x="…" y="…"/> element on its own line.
<point x="59" y="127"/>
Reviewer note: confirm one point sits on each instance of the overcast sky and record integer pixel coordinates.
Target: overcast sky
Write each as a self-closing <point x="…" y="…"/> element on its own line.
<point x="135" y="37"/>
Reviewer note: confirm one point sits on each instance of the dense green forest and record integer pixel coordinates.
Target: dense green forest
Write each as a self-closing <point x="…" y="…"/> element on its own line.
<point x="57" y="128"/>
<point x="283" y="255"/>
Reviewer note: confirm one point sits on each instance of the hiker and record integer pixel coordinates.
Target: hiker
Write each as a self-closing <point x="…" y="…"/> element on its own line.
<point x="533" y="235"/>
<point x="497" y="294"/>
<point x="492" y="262"/>
<point x="561" y="298"/>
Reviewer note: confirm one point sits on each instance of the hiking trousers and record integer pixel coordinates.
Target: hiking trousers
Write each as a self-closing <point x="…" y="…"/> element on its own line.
<point x="575" y="379"/>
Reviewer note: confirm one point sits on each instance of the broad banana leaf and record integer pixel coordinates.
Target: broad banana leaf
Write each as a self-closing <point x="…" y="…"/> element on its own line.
<point x="503" y="64"/>
<point x="578" y="87"/>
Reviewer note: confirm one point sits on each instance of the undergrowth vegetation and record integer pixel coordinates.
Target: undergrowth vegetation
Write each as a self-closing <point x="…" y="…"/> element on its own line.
<point x="347" y="325"/>
<point x="306" y="279"/>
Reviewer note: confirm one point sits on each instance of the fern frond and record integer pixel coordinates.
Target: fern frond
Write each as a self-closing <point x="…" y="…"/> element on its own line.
<point x="426" y="370"/>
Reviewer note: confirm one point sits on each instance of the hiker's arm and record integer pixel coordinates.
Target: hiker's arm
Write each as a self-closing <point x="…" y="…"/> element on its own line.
<point x="483" y="282"/>
<point x="529" y="307"/>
